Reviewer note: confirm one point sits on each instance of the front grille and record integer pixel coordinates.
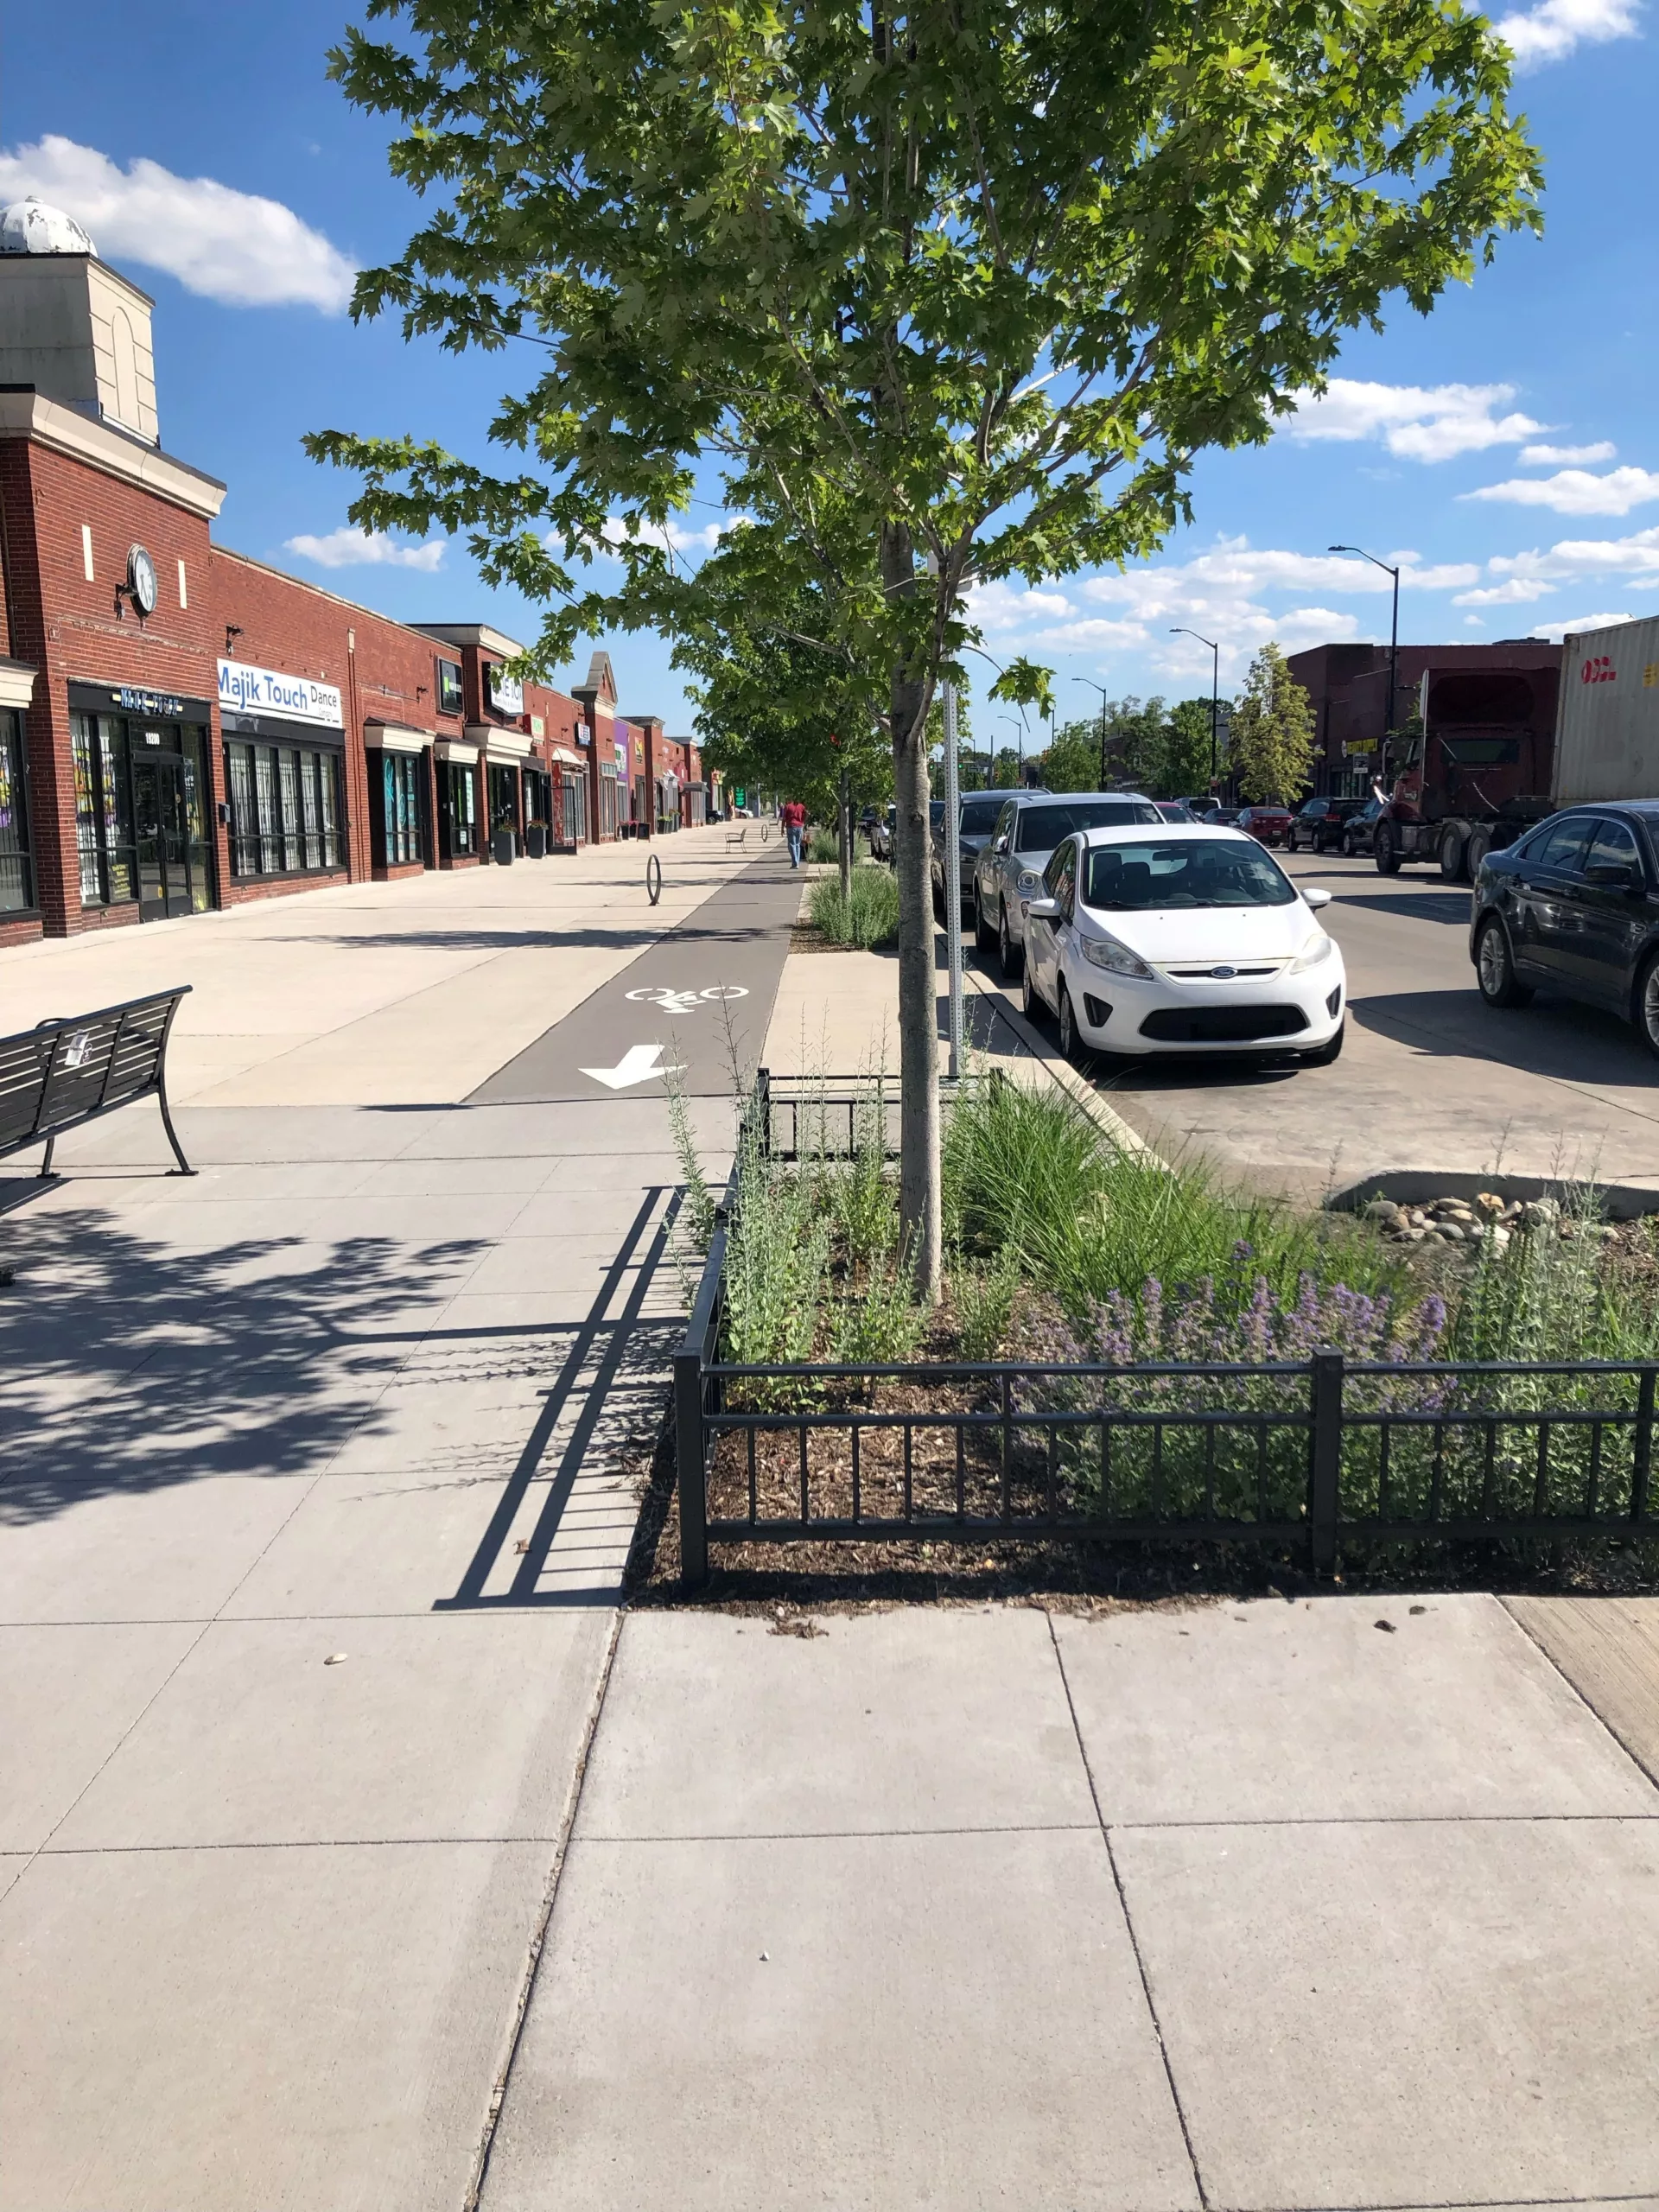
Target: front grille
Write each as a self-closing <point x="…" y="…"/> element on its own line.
<point x="1202" y="971"/>
<point x="1222" y="1024"/>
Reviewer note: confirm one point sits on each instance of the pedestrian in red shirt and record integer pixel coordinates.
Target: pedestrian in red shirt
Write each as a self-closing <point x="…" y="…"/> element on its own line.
<point x="794" y="821"/>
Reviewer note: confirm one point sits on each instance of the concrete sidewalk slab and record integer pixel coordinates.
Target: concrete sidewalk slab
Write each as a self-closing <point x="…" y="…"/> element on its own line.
<point x="422" y="1734"/>
<point x="877" y="2021"/>
<point x="1608" y="1649"/>
<point x="1270" y="1711"/>
<point x="294" y="2031"/>
<point x="905" y="1721"/>
<point x="1407" y="2013"/>
<point x="69" y="1695"/>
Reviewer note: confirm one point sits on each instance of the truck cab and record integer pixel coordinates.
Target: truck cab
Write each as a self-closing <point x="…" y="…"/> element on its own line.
<point x="1470" y="772"/>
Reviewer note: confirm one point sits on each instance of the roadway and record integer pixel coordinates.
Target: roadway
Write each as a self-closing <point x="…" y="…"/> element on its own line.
<point x="1430" y="1077"/>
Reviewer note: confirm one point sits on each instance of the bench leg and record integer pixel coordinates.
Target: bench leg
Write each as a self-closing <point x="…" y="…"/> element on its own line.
<point x="184" y="1168"/>
<point x="46" y="1165"/>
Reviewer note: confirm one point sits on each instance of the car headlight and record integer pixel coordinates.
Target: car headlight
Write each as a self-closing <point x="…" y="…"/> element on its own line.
<point x="1321" y="949"/>
<point x="1030" y="880"/>
<point x="1106" y="952"/>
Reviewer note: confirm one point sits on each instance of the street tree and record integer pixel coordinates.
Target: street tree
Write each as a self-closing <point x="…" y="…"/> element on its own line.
<point x="1272" y="731"/>
<point x="978" y="279"/>
<point x="1184" y="762"/>
<point x="1072" y="762"/>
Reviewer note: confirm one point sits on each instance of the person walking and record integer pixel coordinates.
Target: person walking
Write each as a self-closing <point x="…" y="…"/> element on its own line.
<point x="794" y="821"/>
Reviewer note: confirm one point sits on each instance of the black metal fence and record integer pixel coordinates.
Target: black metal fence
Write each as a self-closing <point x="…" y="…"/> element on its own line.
<point x="1322" y="1455"/>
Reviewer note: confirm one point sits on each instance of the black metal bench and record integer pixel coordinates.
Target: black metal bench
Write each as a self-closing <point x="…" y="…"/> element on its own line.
<point x="55" y="1078"/>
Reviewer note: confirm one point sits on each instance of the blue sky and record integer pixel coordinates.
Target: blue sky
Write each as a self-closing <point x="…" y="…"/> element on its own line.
<point x="1499" y="449"/>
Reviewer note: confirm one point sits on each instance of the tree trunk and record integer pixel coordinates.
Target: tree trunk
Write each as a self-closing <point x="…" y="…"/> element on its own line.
<point x="919" y="1205"/>
<point x="844" y="838"/>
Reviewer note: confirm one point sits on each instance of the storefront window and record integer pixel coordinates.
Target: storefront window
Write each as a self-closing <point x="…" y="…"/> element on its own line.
<point x="400" y="787"/>
<point x="608" y="809"/>
<point x="536" y="802"/>
<point x="504" y="800"/>
<point x="16" y="871"/>
<point x="449" y="694"/>
<point x="100" y="747"/>
<point x="575" y="805"/>
<point x="456" y="810"/>
<point x="284" y="804"/>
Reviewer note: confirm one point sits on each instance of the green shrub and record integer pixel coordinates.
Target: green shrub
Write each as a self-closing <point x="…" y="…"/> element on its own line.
<point x="879" y="1322"/>
<point x="983" y="1298"/>
<point x="869" y="918"/>
<point x="824" y="846"/>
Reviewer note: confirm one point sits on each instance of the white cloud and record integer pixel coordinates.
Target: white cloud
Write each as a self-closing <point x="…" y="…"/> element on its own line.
<point x="1566" y="456"/>
<point x="1576" y="560"/>
<point x="1518" y="591"/>
<point x="674" y="538"/>
<point x="1550" y="31"/>
<point x="1415" y="422"/>
<point x="1554" y="632"/>
<point x="346" y="548"/>
<point x="227" y="246"/>
<point x="1576" y="492"/>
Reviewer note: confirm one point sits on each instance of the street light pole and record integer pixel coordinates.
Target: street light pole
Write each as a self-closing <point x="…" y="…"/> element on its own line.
<point x="1177" y="631"/>
<point x="1394" y="634"/>
<point x="1101" y="688"/>
<point x="1019" y="737"/>
<point x="952" y="880"/>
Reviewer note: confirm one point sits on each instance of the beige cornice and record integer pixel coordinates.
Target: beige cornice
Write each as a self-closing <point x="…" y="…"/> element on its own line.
<point x="26" y="414"/>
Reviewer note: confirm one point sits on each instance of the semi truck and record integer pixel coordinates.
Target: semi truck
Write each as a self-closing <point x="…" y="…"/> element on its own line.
<point x="1464" y="785"/>
<point x="1473" y="770"/>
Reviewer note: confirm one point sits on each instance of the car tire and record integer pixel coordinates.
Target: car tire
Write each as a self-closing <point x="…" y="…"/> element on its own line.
<point x="1009" y="955"/>
<point x="1070" y="1043"/>
<point x="1645" y="1003"/>
<point x="1330" y="1052"/>
<point x="1453" y="857"/>
<point x="983" y="939"/>
<point x="1032" y="1002"/>
<point x="1495" y="968"/>
<point x="1384" y="851"/>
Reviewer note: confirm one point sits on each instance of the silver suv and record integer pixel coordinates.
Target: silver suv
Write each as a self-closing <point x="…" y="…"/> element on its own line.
<point x="1009" y="873"/>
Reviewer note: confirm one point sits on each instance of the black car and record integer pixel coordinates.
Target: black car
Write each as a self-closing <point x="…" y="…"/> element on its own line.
<point x="976" y="821"/>
<point x="1573" y="907"/>
<point x="1321" y="821"/>
<point x="1358" y="830"/>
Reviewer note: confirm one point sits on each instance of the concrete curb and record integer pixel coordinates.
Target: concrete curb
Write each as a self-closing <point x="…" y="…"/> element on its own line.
<point x="1058" y="1070"/>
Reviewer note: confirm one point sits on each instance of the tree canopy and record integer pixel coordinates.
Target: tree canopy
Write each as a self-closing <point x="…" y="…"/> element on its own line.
<point x="1272" y="753"/>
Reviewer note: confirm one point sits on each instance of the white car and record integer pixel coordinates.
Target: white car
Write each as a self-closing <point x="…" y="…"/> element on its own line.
<point x="1190" y="940"/>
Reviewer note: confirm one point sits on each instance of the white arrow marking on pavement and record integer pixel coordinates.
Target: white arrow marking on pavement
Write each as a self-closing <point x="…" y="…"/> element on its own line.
<point x="637" y="1064"/>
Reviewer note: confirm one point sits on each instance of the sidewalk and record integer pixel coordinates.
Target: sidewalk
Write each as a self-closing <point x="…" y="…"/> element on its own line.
<point x="311" y="1531"/>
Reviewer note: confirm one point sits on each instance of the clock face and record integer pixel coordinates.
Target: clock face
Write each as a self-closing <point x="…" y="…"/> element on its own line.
<point x="141" y="580"/>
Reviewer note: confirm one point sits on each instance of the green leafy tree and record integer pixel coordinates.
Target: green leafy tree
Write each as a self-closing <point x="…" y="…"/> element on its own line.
<point x="1184" y="766"/>
<point x="1004" y="769"/>
<point x="1272" y="731"/>
<point x="1072" y="760"/>
<point x="950" y="294"/>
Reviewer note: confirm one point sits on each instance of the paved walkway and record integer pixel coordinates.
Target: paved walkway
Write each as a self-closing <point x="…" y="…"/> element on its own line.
<point x="310" y="1530"/>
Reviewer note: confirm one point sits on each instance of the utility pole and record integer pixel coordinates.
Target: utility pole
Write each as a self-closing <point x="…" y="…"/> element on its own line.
<point x="1101" y="688"/>
<point x="1177" y="631"/>
<point x="1394" y="638"/>
<point x="952" y="880"/>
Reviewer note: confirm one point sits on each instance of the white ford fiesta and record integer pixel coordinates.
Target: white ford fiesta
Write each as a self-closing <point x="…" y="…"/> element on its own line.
<point x="1190" y="940"/>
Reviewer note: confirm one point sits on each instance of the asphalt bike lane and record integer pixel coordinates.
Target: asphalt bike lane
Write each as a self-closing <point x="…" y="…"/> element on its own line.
<point x="700" y="997"/>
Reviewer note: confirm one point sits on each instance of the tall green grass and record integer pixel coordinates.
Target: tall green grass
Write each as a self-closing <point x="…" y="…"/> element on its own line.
<point x="869" y="918"/>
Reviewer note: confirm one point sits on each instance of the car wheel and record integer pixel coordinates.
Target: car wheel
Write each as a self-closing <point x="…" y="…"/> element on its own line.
<point x="1031" y="999"/>
<point x="1330" y="1050"/>
<point x="1495" y="968"/>
<point x="1007" y="951"/>
<point x="1069" y="1043"/>
<point x="1647" y="1003"/>
<point x="1452" y="856"/>
<point x="1384" y="851"/>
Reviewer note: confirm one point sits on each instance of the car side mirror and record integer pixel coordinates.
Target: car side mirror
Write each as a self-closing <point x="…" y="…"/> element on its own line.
<point x="1615" y="875"/>
<point x="1043" y="910"/>
<point x="1000" y="846"/>
<point x="1315" y="898"/>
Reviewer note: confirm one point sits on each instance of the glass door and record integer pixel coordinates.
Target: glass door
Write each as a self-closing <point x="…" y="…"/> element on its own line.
<point x="159" y="821"/>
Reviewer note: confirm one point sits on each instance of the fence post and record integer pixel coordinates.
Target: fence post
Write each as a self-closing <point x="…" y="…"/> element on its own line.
<point x="1324" y="1467"/>
<point x="1641" y="1464"/>
<point x="692" y="1474"/>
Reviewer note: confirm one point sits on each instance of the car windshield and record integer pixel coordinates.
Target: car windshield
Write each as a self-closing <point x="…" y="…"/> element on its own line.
<point x="1039" y="829"/>
<point x="979" y="816"/>
<point x="1197" y="871"/>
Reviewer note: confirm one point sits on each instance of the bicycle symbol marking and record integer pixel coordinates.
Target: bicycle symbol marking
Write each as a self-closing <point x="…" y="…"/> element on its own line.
<point x="672" y="1001"/>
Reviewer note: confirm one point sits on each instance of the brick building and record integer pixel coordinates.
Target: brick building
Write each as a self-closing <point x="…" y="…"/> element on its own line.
<point x="1500" y="691"/>
<point x="182" y="727"/>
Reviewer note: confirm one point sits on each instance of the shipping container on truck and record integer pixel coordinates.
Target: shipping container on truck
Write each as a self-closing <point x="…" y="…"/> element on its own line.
<point x="1475" y="771"/>
<point x="1607" y="732"/>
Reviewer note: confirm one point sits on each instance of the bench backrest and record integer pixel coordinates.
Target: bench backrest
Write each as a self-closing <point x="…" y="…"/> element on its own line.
<point x="67" y="1071"/>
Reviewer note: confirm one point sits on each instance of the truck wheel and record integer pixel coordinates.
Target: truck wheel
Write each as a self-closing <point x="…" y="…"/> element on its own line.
<point x="1452" y="856"/>
<point x="1647" y="1005"/>
<point x="1495" y="969"/>
<point x="1384" y="849"/>
<point x="1480" y="843"/>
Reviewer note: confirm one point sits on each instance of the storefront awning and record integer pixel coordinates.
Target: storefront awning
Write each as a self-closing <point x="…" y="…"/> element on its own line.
<point x="453" y="748"/>
<point x="393" y="737"/>
<point x="570" y="760"/>
<point x="507" y="746"/>
<point x="16" y="684"/>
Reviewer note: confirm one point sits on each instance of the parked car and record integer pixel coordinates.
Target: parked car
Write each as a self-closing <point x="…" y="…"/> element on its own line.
<point x="881" y="836"/>
<point x="1268" y="823"/>
<point x="976" y="820"/>
<point x="1573" y="907"/>
<point x="1319" y="823"/>
<point x="1190" y="939"/>
<point x="1224" y="817"/>
<point x="1358" y="830"/>
<point x="1009" y="871"/>
<point x="1203" y="804"/>
<point x="1175" y="810"/>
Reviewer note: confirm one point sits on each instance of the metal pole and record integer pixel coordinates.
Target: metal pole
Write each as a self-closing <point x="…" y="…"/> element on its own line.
<point x="953" y="881"/>
<point x="1103" y="741"/>
<point x="1215" y="708"/>
<point x="1394" y="655"/>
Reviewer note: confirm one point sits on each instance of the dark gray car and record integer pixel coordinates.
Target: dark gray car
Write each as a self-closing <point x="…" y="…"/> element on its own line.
<point x="1009" y="873"/>
<point x="976" y="822"/>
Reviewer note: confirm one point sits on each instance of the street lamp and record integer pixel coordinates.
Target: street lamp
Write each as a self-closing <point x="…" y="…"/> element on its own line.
<point x="1394" y="632"/>
<point x="1101" y="688"/>
<point x="1177" y="631"/>
<point x="1019" y="730"/>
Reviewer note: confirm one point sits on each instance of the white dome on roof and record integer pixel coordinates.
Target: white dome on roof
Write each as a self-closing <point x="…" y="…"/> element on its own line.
<point x="30" y="227"/>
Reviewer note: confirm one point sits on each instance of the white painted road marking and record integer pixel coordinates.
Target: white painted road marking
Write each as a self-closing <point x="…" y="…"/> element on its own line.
<point x="637" y="1064"/>
<point x="672" y="1001"/>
